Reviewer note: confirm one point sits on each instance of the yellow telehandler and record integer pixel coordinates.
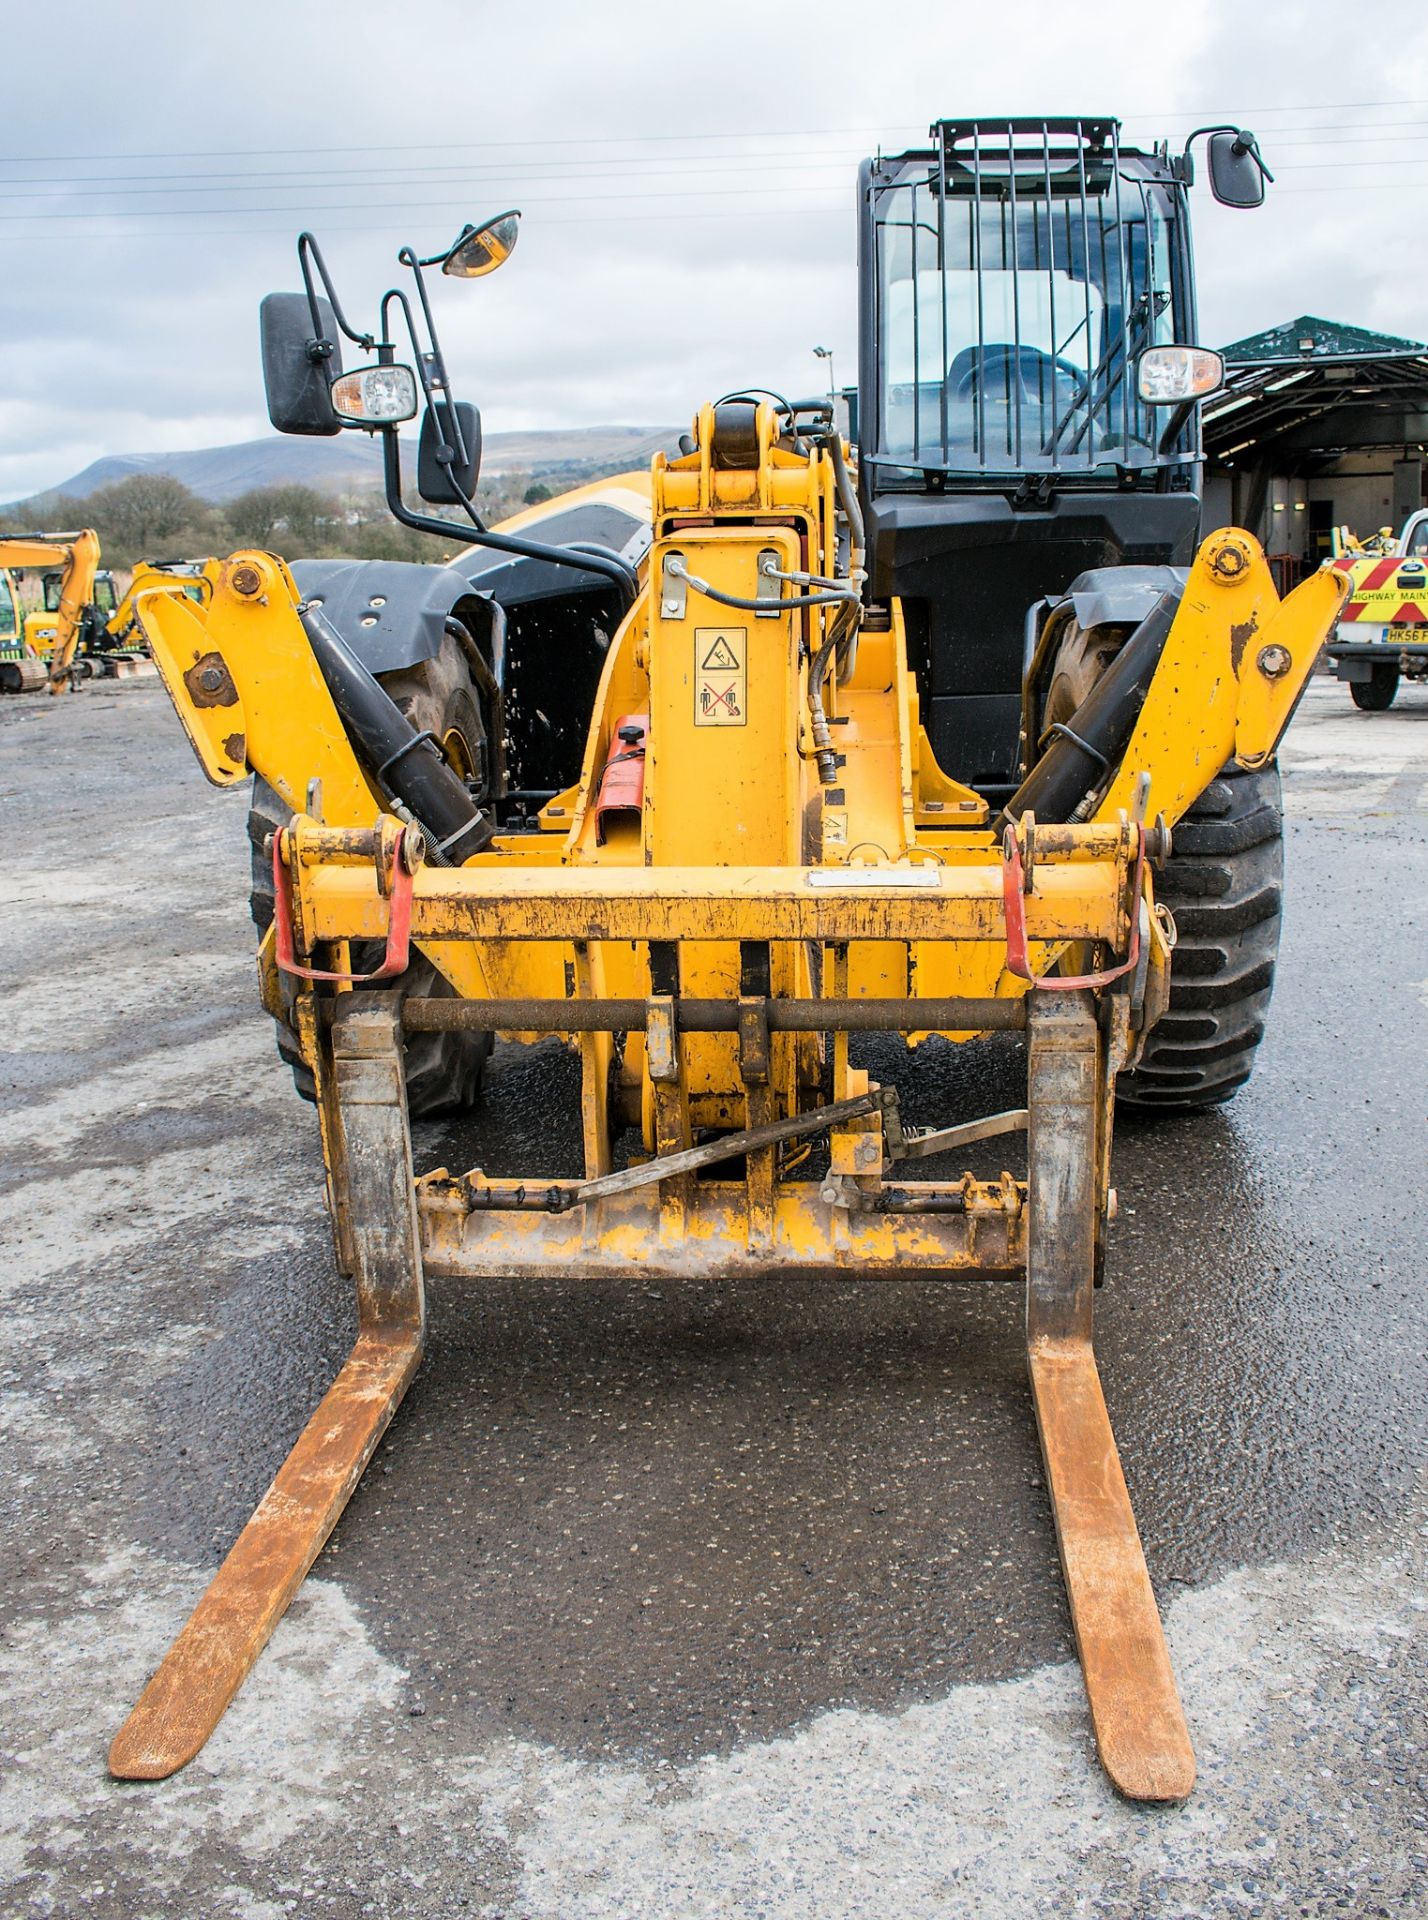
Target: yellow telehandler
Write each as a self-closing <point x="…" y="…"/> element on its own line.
<point x="672" y="771"/>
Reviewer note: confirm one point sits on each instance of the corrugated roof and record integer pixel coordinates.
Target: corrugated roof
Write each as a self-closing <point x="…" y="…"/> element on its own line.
<point x="1304" y="409"/>
<point x="1309" y="338"/>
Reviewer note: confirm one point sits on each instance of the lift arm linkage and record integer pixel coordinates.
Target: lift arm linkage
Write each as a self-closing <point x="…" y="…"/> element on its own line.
<point x="1236" y="661"/>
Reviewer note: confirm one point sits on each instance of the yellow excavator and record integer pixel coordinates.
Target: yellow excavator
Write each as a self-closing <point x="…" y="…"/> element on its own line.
<point x="706" y="772"/>
<point x="85" y="629"/>
<point x="18" y="665"/>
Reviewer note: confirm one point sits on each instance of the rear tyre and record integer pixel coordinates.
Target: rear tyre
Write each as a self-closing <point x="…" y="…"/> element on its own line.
<point x="1224" y="885"/>
<point x="443" y="1070"/>
<point x="1375" y="695"/>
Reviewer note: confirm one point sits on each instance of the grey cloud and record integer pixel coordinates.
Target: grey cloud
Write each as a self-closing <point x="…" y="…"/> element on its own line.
<point x="135" y="328"/>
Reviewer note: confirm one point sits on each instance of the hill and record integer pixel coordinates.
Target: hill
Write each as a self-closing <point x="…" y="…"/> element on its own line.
<point x="351" y="462"/>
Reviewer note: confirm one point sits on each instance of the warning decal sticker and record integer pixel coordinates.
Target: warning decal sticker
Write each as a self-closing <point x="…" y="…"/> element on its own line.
<point x="721" y="676"/>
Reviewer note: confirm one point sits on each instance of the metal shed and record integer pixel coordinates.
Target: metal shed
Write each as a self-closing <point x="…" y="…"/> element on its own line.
<point x="1320" y="424"/>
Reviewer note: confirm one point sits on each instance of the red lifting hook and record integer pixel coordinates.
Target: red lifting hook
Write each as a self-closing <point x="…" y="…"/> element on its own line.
<point x="399" y="925"/>
<point x="1013" y="901"/>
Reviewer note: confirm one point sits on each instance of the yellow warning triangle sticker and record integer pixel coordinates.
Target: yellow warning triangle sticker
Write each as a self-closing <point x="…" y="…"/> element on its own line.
<point x="721" y="658"/>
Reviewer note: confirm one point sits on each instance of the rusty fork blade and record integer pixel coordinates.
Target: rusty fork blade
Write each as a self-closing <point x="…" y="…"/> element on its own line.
<point x="249" y="1594"/>
<point x="1135" y="1709"/>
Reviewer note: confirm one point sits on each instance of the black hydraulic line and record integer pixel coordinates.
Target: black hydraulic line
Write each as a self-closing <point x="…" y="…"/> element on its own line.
<point x="608" y="566"/>
<point x="847" y="495"/>
<point x="407" y="764"/>
<point x="1099" y="729"/>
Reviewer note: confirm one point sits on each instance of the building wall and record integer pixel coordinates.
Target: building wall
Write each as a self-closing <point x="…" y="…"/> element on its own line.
<point x="1363" y="491"/>
<point x="1360" y="487"/>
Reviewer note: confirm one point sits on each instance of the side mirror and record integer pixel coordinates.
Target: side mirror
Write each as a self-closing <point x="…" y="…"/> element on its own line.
<point x="298" y="382"/>
<point x="1237" y="175"/>
<point x="479" y="250"/>
<point x="443" y="466"/>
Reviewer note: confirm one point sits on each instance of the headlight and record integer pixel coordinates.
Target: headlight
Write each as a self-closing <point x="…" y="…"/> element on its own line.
<point x="375" y="396"/>
<point x="1171" y="374"/>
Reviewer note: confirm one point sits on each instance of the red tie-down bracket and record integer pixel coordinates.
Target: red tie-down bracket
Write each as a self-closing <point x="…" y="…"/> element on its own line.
<point x="398" y="854"/>
<point x="1151" y="843"/>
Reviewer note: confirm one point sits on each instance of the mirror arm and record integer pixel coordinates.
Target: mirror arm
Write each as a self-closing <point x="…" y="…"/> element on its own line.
<point x="1175" y="425"/>
<point x="1244" y="145"/>
<point x="406" y="257"/>
<point x="1251" y="147"/>
<point x="433" y="371"/>
<point x="438" y="394"/>
<point x="436" y="259"/>
<point x="584" y="560"/>
<point x="310" y="255"/>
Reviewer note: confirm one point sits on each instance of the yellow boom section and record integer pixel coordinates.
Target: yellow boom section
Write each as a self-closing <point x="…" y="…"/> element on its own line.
<point x="1235" y="663"/>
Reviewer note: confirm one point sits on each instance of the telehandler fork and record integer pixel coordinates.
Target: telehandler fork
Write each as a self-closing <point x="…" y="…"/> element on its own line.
<point x="759" y="859"/>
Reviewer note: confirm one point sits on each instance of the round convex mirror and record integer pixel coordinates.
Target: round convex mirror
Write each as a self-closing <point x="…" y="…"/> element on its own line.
<point x="480" y="250"/>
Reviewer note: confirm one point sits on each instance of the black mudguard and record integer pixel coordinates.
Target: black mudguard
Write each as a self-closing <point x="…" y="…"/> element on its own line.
<point x="1104" y="597"/>
<point x="391" y="613"/>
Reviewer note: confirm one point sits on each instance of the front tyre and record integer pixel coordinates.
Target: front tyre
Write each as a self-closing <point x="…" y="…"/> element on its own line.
<point x="1224" y="884"/>
<point x="1375" y="695"/>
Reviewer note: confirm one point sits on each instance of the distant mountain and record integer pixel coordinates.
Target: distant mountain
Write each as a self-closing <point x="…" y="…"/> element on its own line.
<point x="351" y="461"/>
<point x="216" y="474"/>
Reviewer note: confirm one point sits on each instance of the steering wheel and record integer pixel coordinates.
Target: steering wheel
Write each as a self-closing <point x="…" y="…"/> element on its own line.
<point x="1005" y="361"/>
<point x="755" y="394"/>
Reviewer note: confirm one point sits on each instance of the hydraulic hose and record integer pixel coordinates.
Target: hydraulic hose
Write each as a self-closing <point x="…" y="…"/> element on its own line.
<point x="408" y="766"/>
<point x="823" y="749"/>
<point x="836" y="592"/>
<point x="1087" y="750"/>
<point x="848" y="501"/>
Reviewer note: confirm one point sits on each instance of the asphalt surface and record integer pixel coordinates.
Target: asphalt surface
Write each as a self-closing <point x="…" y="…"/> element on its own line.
<point x="669" y="1601"/>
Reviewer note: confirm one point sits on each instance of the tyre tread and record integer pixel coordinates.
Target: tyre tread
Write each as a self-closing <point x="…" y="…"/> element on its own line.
<point x="1224" y="885"/>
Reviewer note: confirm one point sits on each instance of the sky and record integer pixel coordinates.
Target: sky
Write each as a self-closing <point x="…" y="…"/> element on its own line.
<point x="687" y="184"/>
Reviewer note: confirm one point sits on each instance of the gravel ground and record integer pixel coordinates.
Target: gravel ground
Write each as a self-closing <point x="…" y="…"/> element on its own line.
<point x="673" y="1602"/>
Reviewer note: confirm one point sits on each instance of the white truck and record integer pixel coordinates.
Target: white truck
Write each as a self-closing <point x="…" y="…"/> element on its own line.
<point x="1382" y="633"/>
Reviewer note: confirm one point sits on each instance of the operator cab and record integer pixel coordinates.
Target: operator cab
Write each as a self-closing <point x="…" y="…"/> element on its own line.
<point x="104" y="596"/>
<point x="1014" y="275"/>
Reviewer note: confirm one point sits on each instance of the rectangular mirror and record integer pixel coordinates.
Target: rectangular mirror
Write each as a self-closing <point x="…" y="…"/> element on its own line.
<point x="440" y="460"/>
<point x="1236" y="177"/>
<point x="298" y="387"/>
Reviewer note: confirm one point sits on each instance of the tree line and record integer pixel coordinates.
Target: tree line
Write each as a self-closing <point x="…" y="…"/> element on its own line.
<point x="155" y="517"/>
